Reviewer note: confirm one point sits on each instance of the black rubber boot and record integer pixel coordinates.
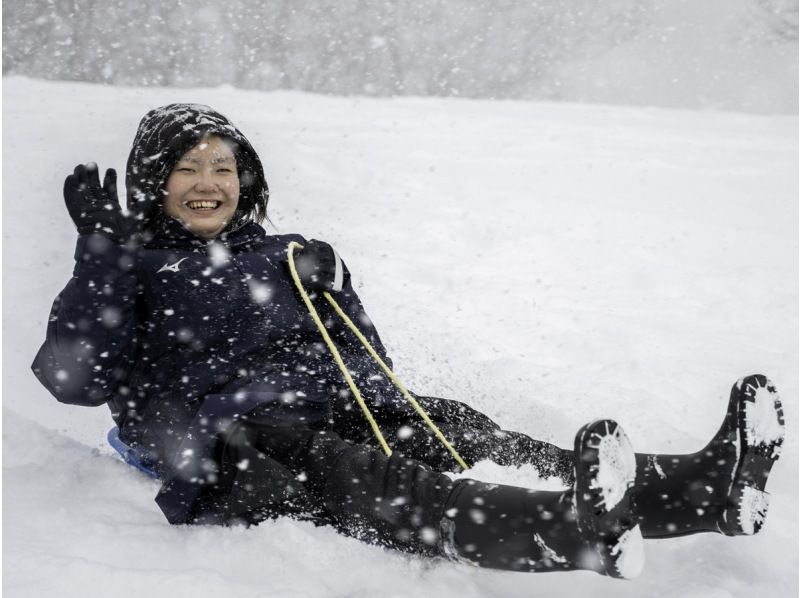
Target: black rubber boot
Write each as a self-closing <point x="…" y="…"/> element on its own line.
<point x="721" y="487"/>
<point x="587" y="527"/>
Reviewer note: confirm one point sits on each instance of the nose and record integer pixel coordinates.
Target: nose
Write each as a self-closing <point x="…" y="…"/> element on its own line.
<point x="205" y="182"/>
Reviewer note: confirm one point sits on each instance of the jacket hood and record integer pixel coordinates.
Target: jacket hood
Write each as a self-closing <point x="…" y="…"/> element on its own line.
<point x="168" y="132"/>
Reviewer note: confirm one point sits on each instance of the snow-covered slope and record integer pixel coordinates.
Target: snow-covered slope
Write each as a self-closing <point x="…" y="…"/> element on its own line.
<point x="546" y="263"/>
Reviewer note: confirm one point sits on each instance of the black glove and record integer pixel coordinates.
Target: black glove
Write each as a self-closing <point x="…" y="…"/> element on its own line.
<point x="319" y="267"/>
<point x="95" y="209"/>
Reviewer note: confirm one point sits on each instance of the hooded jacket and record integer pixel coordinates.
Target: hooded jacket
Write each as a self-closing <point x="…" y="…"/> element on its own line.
<point x="167" y="133"/>
<point x="179" y="329"/>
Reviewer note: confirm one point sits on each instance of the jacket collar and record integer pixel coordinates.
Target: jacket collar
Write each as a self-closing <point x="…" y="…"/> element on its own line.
<point x="171" y="234"/>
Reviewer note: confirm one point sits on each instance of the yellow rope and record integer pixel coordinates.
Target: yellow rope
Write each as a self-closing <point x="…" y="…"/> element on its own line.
<point x="334" y="351"/>
<point x="397" y="382"/>
<point x="337" y="357"/>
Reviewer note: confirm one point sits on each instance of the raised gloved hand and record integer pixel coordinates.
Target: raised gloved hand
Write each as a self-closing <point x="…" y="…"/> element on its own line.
<point x="319" y="267"/>
<point x="94" y="208"/>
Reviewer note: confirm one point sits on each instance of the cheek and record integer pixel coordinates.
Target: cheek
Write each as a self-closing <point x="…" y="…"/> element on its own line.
<point x="172" y="198"/>
<point x="232" y="190"/>
<point x="170" y="206"/>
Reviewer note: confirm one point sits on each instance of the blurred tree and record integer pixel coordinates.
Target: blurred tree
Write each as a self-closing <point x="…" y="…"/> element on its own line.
<point x="474" y="48"/>
<point x="781" y="17"/>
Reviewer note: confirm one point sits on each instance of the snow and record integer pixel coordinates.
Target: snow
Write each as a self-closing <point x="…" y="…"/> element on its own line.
<point x="549" y="264"/>
<point x="631" y="551"/>
<point x="753" y="509"/>
<point x="616" y="469"/>
<point x="763" y="424"/>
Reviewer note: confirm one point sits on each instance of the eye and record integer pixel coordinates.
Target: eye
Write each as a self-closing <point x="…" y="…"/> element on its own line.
<point x="184" y="169"/>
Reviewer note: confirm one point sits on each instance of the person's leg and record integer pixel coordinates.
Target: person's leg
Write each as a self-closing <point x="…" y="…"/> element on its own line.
<point x="720" y="488"/>
<point x="233" y="480"/>
<point x="475" y="436"/>
<point x="589" y="526"/>
<point x="398" y="502"/>
<point x="717" y="489"/>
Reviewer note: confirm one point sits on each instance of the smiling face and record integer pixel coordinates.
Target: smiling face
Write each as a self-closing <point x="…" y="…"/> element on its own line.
<point x="203" y="188"/>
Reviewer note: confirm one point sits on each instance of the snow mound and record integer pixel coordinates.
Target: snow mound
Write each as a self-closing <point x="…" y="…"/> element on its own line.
<point x="549" y="264"/>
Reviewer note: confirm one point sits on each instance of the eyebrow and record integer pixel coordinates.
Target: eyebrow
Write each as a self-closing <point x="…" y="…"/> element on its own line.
<point x="213" y="160"/>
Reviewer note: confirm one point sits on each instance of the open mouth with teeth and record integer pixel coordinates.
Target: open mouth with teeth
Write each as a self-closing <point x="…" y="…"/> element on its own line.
<point x="205" y="205"/>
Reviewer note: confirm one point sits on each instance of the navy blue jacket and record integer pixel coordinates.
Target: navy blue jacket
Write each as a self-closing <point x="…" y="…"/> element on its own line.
<point x="182" y="337"/>
<point x="182" y="326"/>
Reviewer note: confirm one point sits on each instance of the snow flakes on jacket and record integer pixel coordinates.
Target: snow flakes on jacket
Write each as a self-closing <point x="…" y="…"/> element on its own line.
<point x="158" y="331"/>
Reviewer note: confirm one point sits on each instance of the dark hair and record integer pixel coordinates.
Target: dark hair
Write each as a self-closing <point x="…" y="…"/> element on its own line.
<point x="164" y="135"/>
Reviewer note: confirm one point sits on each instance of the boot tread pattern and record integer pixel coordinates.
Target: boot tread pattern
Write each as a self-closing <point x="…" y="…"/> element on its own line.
<point x="762" y="417"/>
<point x="761" y="429"/>
<point x="605" y="471"/>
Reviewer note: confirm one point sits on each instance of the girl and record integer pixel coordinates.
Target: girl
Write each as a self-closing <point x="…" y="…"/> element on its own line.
<point x="183" y="316"/>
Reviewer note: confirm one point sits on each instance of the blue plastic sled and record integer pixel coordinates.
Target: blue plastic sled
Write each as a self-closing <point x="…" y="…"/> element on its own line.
<point x="132" y="456"/>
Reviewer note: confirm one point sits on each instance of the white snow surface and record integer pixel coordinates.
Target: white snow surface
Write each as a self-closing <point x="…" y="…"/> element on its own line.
<point x="549" y="264"/>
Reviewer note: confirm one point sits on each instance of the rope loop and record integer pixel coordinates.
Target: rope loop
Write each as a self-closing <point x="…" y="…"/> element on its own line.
<point x="343" y="368"/>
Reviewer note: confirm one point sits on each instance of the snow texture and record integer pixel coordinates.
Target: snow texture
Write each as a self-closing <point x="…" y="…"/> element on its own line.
<point x="753" y="509"/>
<point x="763" y="424"/>
<point x="550" y="264"/>
<point x="616" y="468"/>
<point x="631" y="551"/>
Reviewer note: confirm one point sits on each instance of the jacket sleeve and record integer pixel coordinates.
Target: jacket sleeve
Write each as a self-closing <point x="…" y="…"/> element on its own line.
<point x="92" y="325"/>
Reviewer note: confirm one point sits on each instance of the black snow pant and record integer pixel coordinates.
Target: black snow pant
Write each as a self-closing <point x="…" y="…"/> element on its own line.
<point x="336" y="474"/>
<point x="673" y="495"/>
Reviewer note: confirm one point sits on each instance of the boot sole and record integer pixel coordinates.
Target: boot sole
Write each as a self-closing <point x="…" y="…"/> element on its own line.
<point x="760" y="434"/>
<point x="604" y="475"/>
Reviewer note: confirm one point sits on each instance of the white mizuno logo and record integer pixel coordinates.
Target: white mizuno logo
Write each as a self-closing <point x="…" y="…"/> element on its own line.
<point x="171" y="267"/>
